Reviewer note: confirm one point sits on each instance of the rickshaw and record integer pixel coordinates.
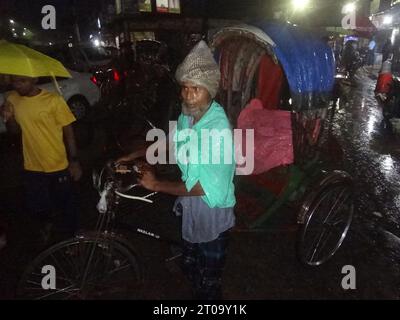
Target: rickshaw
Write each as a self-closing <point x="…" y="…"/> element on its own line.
<point x="292" y="74"/>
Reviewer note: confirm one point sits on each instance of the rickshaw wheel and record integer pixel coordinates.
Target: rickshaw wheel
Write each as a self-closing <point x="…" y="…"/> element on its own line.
<point x="327" y="214"/>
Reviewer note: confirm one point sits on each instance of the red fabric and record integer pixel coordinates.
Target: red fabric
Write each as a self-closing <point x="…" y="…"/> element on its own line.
<point x="384" y="83"/>
<point x="270" y="81"/>
<point x="273" y="142"/>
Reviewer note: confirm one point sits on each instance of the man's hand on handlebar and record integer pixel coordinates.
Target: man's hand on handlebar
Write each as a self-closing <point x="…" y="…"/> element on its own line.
<point x="132" y="156"/>
<point x="138" y="167"/>
<point x="147" y="179"/>
<point x="122" y="169"/>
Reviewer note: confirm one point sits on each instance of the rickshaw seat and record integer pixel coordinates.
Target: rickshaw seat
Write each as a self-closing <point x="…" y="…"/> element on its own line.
<point x="273" y="141"/>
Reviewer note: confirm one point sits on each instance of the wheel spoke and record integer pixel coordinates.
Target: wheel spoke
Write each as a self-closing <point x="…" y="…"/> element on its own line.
<point x="335" y="204"/>
<point x="317" y="243"/>
<point x="59" y="267"/>
<point x="105" y="261"/>
<point x="326" y="227"/>
<point x="54" y="292"/>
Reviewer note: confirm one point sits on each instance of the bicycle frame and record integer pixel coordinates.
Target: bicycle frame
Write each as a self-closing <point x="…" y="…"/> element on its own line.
<point x="112" y="194"/>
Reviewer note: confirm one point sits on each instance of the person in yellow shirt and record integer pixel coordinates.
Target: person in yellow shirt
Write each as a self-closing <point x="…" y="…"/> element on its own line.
<point x="49" y="150"/>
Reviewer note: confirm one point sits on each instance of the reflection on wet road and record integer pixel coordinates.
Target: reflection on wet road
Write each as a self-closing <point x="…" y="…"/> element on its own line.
<point x="372" y="157"/>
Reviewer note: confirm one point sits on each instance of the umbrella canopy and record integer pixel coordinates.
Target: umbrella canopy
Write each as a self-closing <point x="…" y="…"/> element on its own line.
<point x="19" y="60"/>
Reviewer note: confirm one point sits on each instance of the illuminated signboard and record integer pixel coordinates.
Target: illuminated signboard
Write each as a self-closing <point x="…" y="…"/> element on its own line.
<point x="174" y="6"/>
<point x="145" y="6"/>
<point x="162" y="6"/>
<point x="168" y="6"/>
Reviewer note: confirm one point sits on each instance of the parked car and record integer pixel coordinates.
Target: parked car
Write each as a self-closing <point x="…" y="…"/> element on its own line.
<point x="79" y="92"/>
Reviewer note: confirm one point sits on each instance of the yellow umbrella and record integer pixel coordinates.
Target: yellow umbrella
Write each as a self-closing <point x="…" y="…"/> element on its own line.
<point x="19" y="60"/>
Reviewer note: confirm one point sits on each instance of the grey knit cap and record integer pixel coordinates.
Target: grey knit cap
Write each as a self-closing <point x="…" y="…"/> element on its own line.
<point x="200" y="68"/>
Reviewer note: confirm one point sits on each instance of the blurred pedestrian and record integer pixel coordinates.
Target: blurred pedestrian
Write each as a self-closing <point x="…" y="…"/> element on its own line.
<point x="371" y="52"/>
<point x="387" y="50"/>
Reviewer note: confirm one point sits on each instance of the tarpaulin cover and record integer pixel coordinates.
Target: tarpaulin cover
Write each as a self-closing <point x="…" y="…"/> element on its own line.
<point x="273" y="144"/>
<point x="308" y="63"/>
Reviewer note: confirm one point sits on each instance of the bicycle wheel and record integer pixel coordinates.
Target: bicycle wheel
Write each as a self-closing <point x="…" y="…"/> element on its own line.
<point x="327" y="221"/>
<point x="85" y="268"/>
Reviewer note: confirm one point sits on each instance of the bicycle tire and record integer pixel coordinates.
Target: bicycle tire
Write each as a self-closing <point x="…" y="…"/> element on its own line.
<point x="320" y="224"/>
<point x="114" y="271"/>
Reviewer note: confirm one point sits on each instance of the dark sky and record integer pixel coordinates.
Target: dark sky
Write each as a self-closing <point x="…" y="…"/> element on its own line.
<point x="28" y="12"/>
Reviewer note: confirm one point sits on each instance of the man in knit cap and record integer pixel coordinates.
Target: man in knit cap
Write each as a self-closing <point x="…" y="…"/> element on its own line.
<point x="206" y="192"/>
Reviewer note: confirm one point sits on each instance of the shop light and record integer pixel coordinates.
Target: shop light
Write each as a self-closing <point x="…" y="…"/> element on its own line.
<point x="12" y="21"/>
<point x="300" y="4"/>
<point x="349" y="8"/>
<point x="387" y="20"/>
<point x="395" y="33"/>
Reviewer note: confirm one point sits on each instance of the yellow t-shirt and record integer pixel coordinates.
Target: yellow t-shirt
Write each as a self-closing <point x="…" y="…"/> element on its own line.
<point x="42" y="119"/>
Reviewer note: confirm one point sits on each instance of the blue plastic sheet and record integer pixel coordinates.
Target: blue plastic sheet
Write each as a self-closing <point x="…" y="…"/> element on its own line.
<point x="308" y="63"/>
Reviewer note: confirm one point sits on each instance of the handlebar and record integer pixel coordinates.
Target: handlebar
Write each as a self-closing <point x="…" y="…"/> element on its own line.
<point x="113" y="173"/>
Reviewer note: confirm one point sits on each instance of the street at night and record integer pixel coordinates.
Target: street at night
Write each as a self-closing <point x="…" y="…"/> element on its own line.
<point x="317" y="218"/>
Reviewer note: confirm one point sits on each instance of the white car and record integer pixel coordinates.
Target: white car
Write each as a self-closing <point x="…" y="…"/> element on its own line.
<point x="79" y="92"/>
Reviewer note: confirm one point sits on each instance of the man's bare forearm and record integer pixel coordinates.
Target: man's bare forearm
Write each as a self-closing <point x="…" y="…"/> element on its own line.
<point x="69" y="140"/>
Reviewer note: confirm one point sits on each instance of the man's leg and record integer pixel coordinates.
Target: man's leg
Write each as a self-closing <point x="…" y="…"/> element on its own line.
<point x="37" y="200"/>
<point x="371" y="58"/>
<point x="190" y="263"/>
<point x="64" y="202"/>
<point x="211" y="265"/>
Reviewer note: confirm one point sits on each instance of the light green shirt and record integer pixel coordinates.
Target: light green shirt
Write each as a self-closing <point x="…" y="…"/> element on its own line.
<point x="213" y="165"/>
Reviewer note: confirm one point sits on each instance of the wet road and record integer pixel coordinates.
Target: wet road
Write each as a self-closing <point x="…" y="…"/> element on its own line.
<point x="372" y="157"/>
<point x="360" y="146"/>
<point x="263" y="265"/>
